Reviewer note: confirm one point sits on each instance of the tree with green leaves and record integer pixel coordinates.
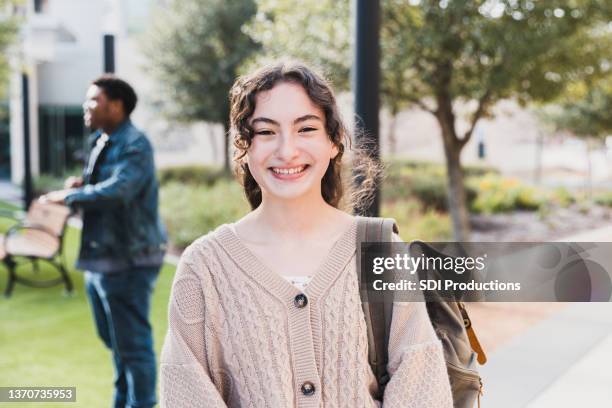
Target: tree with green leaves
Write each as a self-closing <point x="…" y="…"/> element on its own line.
<point x="585" y="111"/>
<point x="317" y="32"/>
<point x="8" y="31"/>
<point x="195" y="49"/>
<point x="439" y="54"/>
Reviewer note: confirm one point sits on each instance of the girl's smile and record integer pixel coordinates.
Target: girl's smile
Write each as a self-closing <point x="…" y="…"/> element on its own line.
<point x="289" y="173"/>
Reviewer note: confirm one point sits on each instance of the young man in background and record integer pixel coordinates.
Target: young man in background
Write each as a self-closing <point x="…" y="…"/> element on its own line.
<point x="123" y="240"/>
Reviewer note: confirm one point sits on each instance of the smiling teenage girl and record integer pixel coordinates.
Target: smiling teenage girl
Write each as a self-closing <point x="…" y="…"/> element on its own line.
<point x="265" y="312"/>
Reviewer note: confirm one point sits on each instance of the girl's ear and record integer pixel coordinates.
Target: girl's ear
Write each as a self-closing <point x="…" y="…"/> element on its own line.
<point x="334" y="152"/>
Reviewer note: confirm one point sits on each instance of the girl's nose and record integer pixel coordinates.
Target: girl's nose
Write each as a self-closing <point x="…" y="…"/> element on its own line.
<point x="287" y="148"/>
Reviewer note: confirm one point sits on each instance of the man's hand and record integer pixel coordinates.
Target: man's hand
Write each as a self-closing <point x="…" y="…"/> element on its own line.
<point x="55" y="197"/>
<point x="73" y="182"/>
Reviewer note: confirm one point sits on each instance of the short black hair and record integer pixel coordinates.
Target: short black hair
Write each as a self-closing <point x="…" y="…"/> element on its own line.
<point x="116" y="88"/>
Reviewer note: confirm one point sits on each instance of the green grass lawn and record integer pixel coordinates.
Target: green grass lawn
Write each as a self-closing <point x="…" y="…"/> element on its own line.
<point x="49" y="339"/>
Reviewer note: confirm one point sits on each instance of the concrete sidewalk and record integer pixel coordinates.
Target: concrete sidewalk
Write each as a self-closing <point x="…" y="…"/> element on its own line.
<point x="587" y="383"/>
<point x="561" y="362"/>
<point x="568" y="353"/>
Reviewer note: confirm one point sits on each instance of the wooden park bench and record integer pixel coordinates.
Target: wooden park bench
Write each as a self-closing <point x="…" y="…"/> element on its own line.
<point x="37" y="237"/>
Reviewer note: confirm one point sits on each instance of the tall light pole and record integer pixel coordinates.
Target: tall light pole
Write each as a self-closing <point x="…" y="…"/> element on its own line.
<point x="367" y="82"/>
<point x="27" y="175"/>
<point x="109" y="53"/>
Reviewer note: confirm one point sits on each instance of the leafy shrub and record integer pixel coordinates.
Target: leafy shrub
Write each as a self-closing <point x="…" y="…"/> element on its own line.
<point x="191" y="211"/>
<point x="414" y="224"/>
<point x="421" y="180"/>
<point x="431" y="191"/>
<point x="479" y="171"/>
<point x="496" y="194"/>
<point x="604" y="199"/>
<point x="437" y="168"/>
<point x="562" y="197"/>
<point x="191" y="174"/>
<point x="44" y="183"/>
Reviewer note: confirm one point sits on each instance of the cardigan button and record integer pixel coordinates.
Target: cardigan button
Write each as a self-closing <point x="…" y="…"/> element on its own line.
<point x="300" y="301"/>
<point x="308" y="388"/>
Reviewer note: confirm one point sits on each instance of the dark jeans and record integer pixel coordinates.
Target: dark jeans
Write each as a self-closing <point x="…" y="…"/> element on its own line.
<point x="120" y="303"/>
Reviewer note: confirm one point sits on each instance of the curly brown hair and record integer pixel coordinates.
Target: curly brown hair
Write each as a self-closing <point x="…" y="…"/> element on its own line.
<point x="242" y="101"/>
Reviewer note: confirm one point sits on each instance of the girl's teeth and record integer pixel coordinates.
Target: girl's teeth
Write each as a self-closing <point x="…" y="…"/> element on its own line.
<point x="289" y="171"/>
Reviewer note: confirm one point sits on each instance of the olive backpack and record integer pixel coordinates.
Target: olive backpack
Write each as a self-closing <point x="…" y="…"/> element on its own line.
<point x="450" y="321"/>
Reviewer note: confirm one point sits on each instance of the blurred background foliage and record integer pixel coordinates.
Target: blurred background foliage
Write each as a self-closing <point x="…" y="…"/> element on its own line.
<point x="584" y="110"/>
<point x="434" y="56"/>
<point x="9" y="24"/>
<point x="195" y="49"/>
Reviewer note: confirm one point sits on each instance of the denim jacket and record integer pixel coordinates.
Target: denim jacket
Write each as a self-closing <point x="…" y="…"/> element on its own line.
<point x="119" y="200"/>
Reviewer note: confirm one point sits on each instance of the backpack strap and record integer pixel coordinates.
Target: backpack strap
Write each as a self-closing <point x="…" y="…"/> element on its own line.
<point x="378" y="315"/>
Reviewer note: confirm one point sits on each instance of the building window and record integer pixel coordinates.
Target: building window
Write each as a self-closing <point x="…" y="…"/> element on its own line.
<point x="5" y="142"/>
<point x="63" y="139"/>
<point x="40" y="6"/>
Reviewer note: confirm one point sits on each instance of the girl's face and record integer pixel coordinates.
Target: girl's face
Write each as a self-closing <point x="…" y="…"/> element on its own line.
<point x="290" y="150"/>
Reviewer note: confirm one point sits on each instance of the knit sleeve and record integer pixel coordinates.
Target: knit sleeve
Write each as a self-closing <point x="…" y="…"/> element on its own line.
<point x="185" y="379"/>
<point x="416" y="360"/>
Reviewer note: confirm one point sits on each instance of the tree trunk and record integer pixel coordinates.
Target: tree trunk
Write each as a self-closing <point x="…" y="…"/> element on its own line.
<point x="457" y="204"/>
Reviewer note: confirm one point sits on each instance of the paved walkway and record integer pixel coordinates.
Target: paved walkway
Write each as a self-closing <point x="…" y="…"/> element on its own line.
<point x="540" y="368"/>
<point x="588" y="383"/>
<point x="561" y="362"/>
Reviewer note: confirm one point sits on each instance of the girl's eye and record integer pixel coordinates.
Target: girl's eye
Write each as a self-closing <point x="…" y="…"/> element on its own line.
<point x="264" y="132"/>
<point x="307" y="129"/>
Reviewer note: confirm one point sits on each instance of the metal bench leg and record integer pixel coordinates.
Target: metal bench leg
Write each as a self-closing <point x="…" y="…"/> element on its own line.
<point x="66" y="278"/>
<point x="10" y="284"/>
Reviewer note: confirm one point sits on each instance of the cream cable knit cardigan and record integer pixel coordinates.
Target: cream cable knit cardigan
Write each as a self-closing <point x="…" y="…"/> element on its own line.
<point x="238" y="337"/>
